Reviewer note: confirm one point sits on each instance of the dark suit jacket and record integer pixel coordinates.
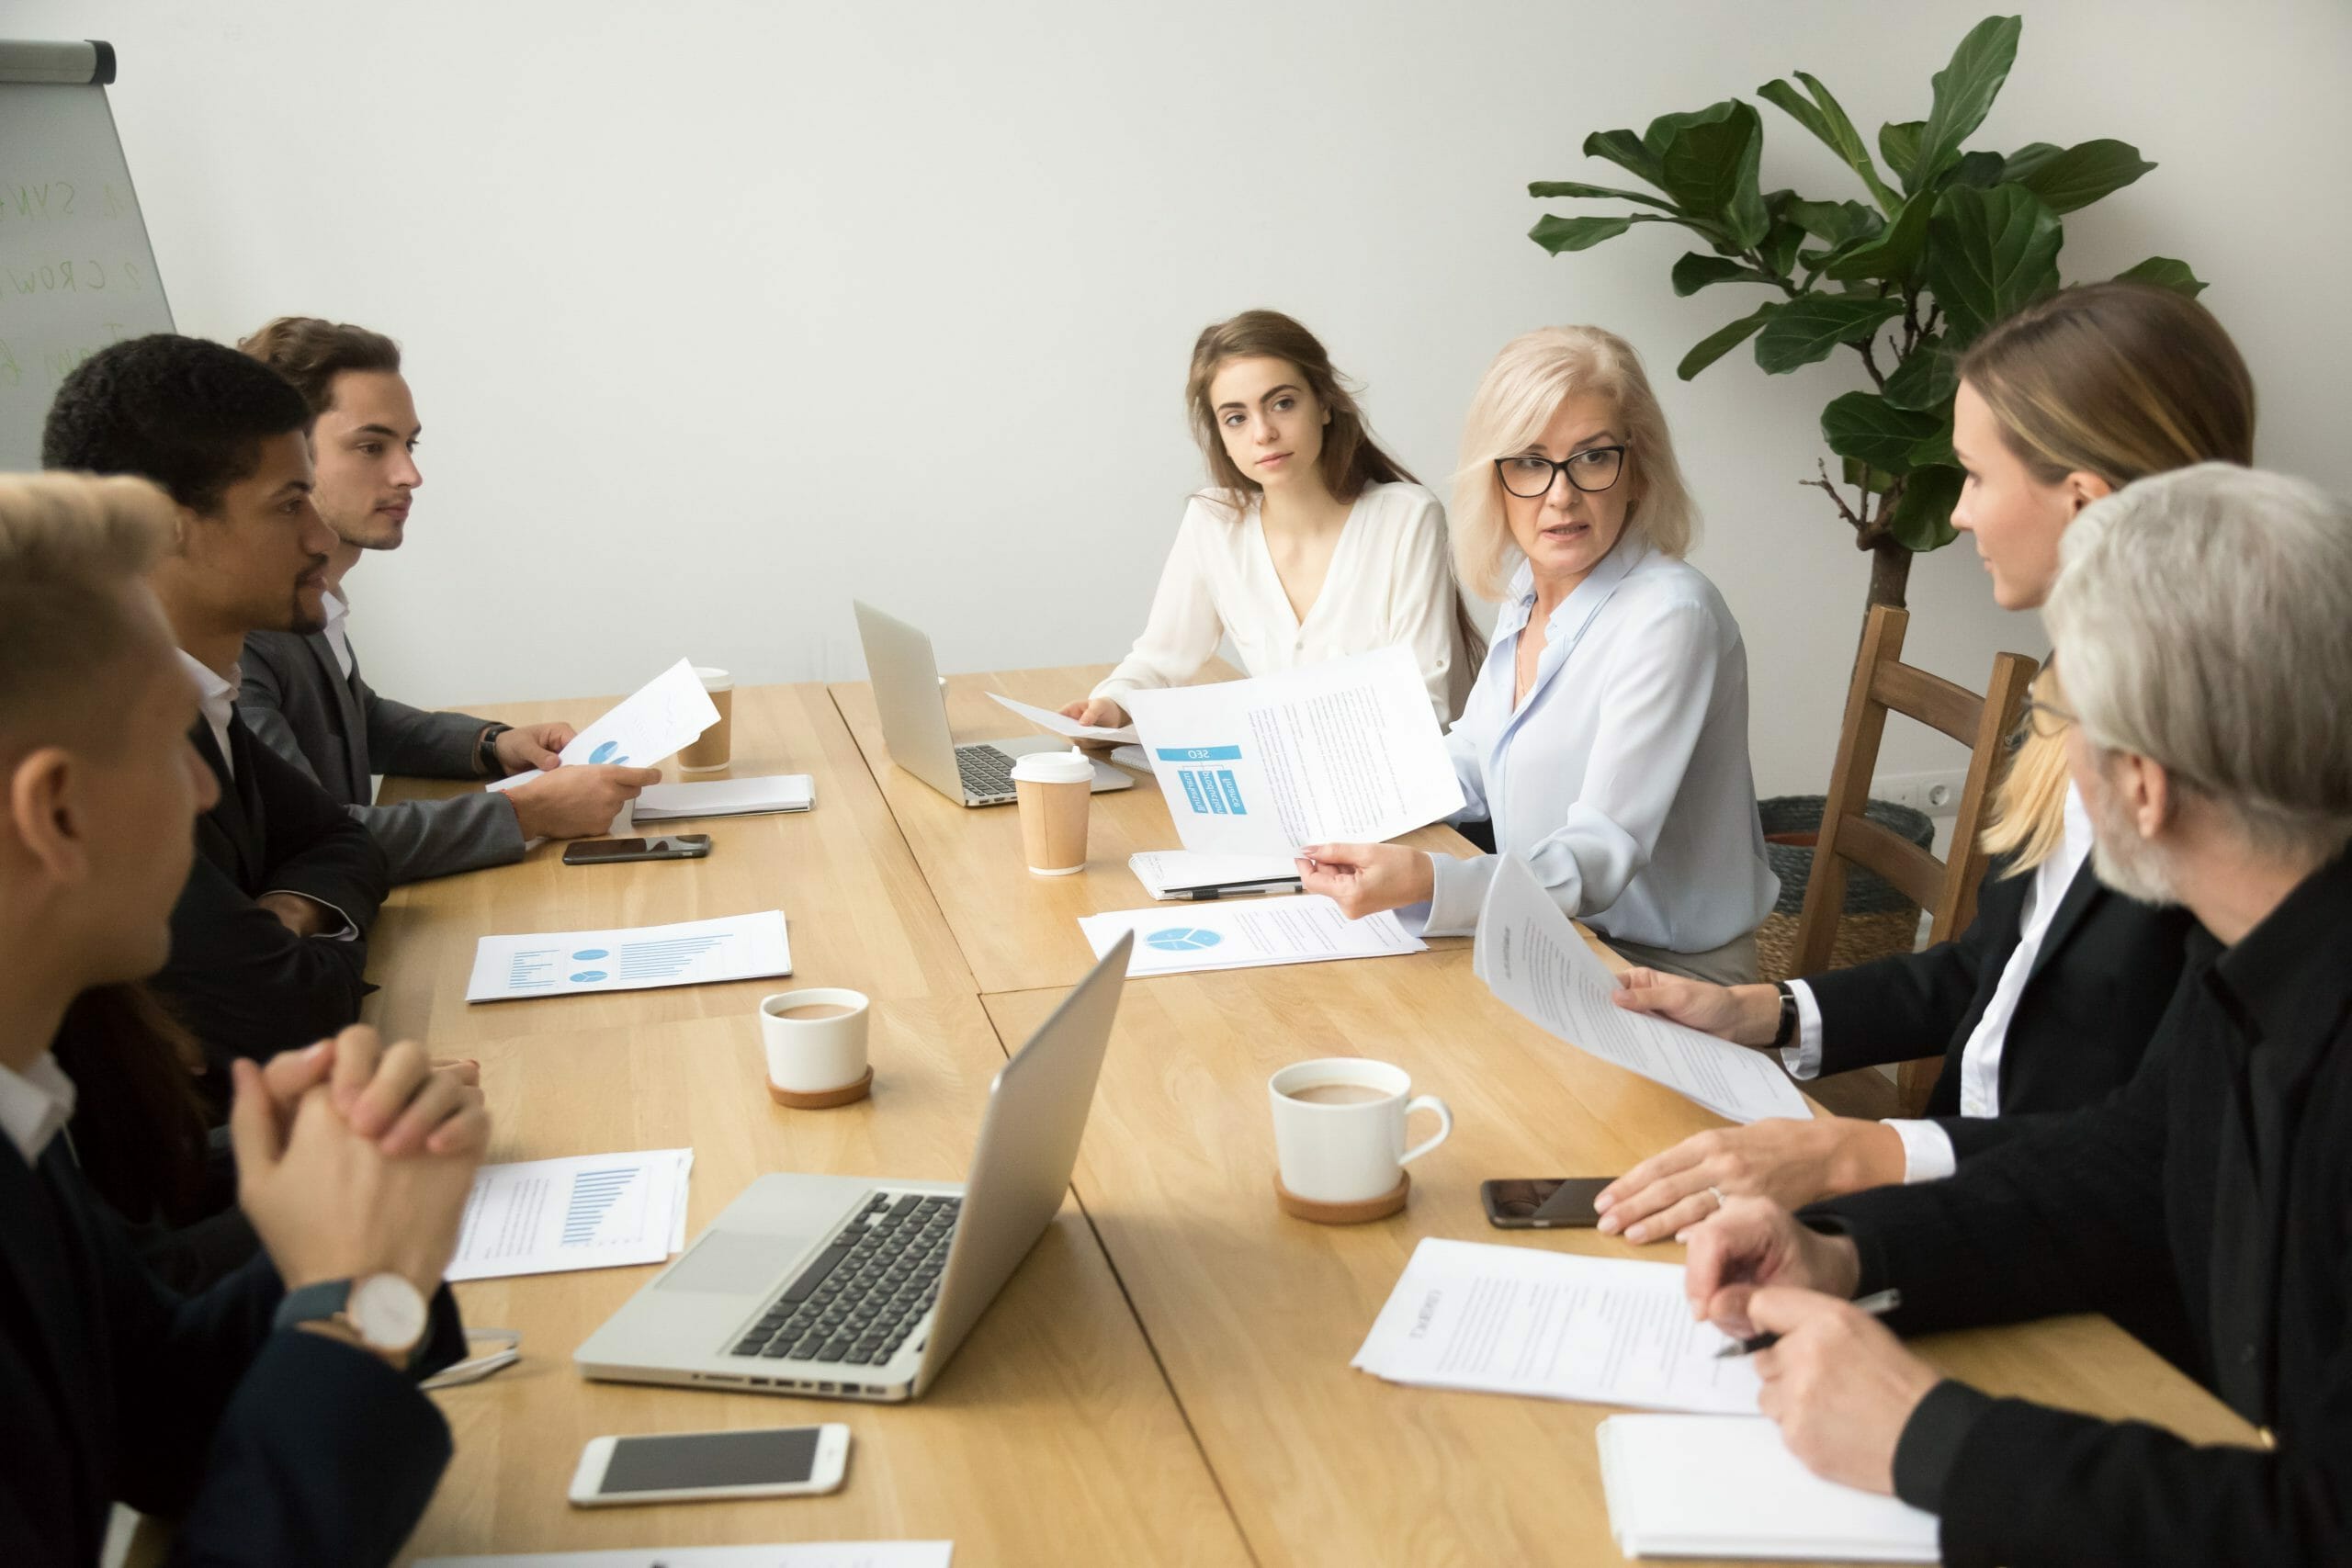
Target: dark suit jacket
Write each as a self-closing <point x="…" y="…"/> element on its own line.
<point x="275" y="1448"/>
<point x="2106" y="968"/>
<point x="341" y="732"/>
<point x="2216" y="1191"/>
<point x="245" y="985"/>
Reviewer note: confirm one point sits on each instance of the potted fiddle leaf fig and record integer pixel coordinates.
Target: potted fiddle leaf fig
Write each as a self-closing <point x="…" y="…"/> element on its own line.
<point x="1949" y="241"/>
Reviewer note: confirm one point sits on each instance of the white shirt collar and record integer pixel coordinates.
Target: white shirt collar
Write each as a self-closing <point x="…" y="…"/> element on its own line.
<point x="219" y="699"/>
<point x="336" y="609"/>
<point x="338" y="637"/>
<point x="34" y="1104"/>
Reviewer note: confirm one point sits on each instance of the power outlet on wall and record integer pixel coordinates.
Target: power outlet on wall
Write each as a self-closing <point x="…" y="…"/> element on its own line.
<point x="1938" y="794"/>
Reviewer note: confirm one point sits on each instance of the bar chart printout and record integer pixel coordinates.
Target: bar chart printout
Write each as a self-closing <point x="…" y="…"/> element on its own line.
<point x="698" y="953"/>
<point x="547" y="1216"/>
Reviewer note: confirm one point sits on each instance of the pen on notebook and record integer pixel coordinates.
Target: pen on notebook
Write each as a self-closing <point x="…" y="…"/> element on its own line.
<point x="1878" y="1303"/>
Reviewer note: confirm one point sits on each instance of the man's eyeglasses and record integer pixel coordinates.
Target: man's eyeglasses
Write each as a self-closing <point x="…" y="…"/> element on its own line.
<point x="1591" y="470"/>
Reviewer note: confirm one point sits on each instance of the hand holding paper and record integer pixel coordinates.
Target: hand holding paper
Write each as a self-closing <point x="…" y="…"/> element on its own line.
<point x="653" y="722"/>
<point x="1044" y="718"/>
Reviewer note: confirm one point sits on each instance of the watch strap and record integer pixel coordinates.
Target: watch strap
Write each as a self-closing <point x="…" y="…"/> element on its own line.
<point x="313" y="1303"/>
<point x="1787" y="1032"/>
<point x="486" y="750"/>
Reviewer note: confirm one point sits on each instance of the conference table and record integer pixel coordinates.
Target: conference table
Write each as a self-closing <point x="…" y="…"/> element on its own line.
<point x="1166" y="1377"/>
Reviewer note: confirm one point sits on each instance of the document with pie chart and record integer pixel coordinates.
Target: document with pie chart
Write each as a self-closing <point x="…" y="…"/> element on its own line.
<point x="1306" y="929"/>
<point x="639" y="958"/>
<point x="654" y="722"/>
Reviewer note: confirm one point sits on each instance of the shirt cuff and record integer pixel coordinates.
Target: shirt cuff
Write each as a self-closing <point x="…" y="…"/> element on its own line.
<point x="1457" y="888"/>
<point x="1931" y="1440"/>
<point x="1803" y="1058"/>
<point x="350" y="931"/>
<point x="1928" y="1154"/>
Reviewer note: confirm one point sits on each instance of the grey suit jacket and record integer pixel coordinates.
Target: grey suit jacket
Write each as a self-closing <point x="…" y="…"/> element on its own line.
<point x="340" y="732"/>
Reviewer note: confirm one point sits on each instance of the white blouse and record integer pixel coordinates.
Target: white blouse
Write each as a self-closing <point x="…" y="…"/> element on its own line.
<point x="1389" y="582"/>
<point x="1624" y="779"/>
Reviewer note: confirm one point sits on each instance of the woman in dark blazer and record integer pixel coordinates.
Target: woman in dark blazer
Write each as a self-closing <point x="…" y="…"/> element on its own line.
<point x="2047" y="1000"/>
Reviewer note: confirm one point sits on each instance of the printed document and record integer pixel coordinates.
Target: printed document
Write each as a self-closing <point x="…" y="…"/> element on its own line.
<point x="1173" y="873"/>
<point x="659" y="719"/>
<point x="1046" y="718"/>
<point x="1727" y="1486"/>
<point x="1531" y="956"/>
<point x="550" y="1216"/>
<point x="1555" y="1324"/>
<point x="1344" y="752"/>
<point x="1246" y="936"/>
<point x="798" y="1554"/>
<point x="639" y="958"/>
<point x="726" y="797"/>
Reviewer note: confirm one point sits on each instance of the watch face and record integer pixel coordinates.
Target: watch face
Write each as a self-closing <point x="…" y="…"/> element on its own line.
<point x="386" y="1310"/>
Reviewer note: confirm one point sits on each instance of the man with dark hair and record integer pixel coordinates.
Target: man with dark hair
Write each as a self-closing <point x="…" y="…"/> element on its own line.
<point x="276" y="1413"/>
<point x="267" y="938"/>
<point x="303" y="694"/>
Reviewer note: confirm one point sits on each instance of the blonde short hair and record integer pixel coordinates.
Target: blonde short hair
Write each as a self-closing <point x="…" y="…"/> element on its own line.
<point x="70" y="546"/>
<point x="1533" y="375"/>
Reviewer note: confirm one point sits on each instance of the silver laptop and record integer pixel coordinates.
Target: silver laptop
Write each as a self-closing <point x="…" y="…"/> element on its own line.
<point x="915" y="721"/>
<point x="856" y="1287"/>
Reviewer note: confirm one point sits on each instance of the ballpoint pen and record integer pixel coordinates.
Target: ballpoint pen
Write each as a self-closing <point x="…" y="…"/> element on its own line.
<point x="1878" y="1303"/>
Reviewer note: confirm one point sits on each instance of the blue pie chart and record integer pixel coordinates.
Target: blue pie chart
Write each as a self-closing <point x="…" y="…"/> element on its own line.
<point x="585" y="953"/>
<point x="608" y="752"/>
<point x="1183" y="939"/>
<point x="587" y="975"/>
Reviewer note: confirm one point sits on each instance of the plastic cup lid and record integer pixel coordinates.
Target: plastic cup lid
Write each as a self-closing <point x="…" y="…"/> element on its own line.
<point x="1052" y="767"/>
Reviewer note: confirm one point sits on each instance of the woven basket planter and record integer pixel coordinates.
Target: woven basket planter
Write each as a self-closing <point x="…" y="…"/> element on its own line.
<point x="1878" y="920"/>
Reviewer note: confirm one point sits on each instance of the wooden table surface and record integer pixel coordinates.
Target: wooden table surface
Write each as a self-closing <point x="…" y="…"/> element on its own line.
<point x="1019" y="931"/>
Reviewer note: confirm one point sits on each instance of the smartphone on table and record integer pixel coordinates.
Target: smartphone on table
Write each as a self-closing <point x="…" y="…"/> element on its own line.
<point x="1543" y="1203"/>
<point x="688" y="1467"/>
<point x="666" y="846"/>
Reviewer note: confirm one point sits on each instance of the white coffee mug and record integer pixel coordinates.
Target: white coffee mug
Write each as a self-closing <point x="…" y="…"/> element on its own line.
<point x="1344" y="1142"/>
<point x="819" y="1053"/>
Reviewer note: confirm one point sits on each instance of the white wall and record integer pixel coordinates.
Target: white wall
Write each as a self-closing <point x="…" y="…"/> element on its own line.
<point x="719" y="314"/>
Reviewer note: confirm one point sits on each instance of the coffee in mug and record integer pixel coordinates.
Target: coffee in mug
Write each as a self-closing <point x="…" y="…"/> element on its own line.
<point x="1340" y="1128"/>
<point x="815" y="1039"/>
<point x="713" y="748"/>
<point x="1054" y="790"/>
<point x="816" y="1010"/>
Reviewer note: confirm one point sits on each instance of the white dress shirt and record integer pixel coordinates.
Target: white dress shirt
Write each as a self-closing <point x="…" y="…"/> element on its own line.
<point x="1390" y="581"/>
<point x="218" y="697"/>
<point x="1928" y="1154"/>
<point x="338" y="637"/>
<point x="34" y="1104"/>
<point x="1622" y="779"/>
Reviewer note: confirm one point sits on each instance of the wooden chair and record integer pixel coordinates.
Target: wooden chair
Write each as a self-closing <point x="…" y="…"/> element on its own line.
<point x="1945" y="888"/>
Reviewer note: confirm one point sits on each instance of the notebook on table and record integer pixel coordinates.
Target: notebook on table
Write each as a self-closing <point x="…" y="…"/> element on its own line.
<point x="1727" y="1486"/>
<point x="726" y="797"/>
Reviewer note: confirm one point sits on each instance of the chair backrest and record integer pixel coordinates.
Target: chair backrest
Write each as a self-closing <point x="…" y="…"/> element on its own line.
<point x="1946" y="888"/>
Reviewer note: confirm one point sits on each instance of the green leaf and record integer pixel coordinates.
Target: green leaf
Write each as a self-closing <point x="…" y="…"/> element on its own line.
<point x="1866" y="427"/>
<point x="1804" y="330"/>
<point x="1981" y="170"/>
<point x="1778" y="250"/>
<point x="1964" y="90"/>
<point x="2165" y="272"/>
<point x="1724" y="339"/>
<point x="1926" y="379"/>
<point x="1695" y="271"/>
<point x="1625" y="149"/>
<point x="1707" y="162"/>
<point x="1825" y="118"/>
<point x="1879" y="483"/>
<point x="1990" y="253"/>
<point x="1893" y="256"/>
<point x="1546" y="189"/>
<point x="1559" y="235"/>
<point x="2030" y="157"/>
<point x="1921" y="519"/>
<point x="1898" y="143"/>
<point x="1835" y="222"/>
<point x="2069" y="181"/>
<point x="1934" y="450"/>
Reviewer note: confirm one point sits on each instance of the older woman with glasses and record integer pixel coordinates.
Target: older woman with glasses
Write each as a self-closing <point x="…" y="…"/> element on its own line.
<point x="1605" y="740"/>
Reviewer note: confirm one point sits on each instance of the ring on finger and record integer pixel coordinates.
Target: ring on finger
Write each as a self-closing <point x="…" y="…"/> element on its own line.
<point x="1717" y="1194"/>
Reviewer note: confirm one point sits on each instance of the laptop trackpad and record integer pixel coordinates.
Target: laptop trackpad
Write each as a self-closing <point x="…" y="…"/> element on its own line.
<point x="737" y="1263"/>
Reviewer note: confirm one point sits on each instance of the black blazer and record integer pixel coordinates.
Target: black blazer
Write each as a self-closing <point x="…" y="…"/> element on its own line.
<point x="244" y="984"/>
<point x="2213" y="1199"/>
<point x="274" y="1448"/>
<point x="2106" y="968"/>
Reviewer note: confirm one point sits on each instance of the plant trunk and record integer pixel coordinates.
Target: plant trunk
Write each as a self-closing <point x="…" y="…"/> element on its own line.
<point x="1890" y="571"/>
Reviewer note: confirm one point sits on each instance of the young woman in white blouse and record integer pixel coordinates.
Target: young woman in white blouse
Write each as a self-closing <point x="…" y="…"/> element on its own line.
<point x="1311" y="543"/>
<point x="1606" y="739"/>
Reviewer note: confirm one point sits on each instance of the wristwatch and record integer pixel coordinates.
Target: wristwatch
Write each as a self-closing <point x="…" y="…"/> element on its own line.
<point x="385" y="1311"/>
<point x="1788" y="1030"/>
<point x="486" y="761"/>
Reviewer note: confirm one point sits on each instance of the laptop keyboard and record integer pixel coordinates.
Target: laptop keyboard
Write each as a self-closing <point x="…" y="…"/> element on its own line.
<point x="985" y="771"/>
<point x="862" y="1295"/>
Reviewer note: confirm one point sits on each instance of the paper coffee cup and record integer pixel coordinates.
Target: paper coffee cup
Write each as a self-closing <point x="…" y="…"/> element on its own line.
<point x="1339" y="1127"/>
<point x="815" y="1039"/>
<point x="713" y="748"/>
<point x="1054" y="789"/>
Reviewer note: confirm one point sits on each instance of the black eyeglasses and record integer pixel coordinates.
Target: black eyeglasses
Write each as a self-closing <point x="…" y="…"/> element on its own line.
<point x="1591" y="470"/>
<point x="2046" y="719"/>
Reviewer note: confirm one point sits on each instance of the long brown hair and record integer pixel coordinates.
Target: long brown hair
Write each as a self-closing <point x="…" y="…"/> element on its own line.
<point x="2118" y="380"/>
<point x="1350" y="460"/>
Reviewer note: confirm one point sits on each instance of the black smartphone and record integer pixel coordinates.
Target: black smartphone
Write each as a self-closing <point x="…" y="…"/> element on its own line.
<point x="1543" y="1204"/>
<point x="669" y="846"/>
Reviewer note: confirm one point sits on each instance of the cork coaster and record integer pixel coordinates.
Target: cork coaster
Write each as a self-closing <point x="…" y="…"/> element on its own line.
<point x="1356" y="1214"/>
<point x="825" y="1100"/>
